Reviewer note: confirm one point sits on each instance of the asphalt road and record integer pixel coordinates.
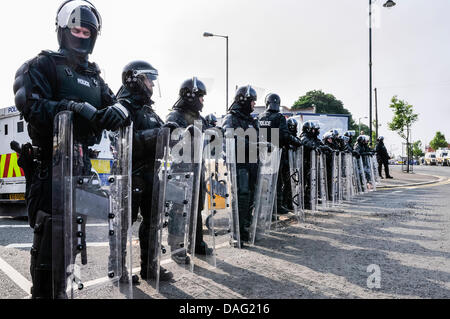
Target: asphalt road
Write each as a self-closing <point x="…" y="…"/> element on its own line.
<point x="403" y="234"/>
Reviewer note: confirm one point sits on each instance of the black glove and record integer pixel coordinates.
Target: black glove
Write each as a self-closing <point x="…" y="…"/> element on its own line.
<point x="84" y="109"/>
<point x="326" y="149"/>
<point x="172" y="126"/>
<point x="296" y="142"/>
<point x="113" y="117"/>
<point x="192" y="129"/>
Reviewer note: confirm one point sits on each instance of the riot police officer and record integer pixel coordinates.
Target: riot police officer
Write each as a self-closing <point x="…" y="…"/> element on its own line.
<point x="185" y="113"/>
<point x="136" y="95"/>
<point x="239" y="117"/>
<point x="349" y="147"/>
<point x="273" y="119"/>
<point x="310" y="142"/>
<point x="44" y="86"/>
<point x="363" y="150"/>
<point x="382" y="158"/>
<point x="330" y="139"/>
<point x="211" y="120"/>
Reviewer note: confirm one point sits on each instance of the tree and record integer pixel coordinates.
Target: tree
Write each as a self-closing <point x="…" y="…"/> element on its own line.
<point x="402" y="121"/>
<point x="417" y="149"/>
<point x="438" y="141"/>
<point x="403" y="118"/>
<point x="326" y="103"/>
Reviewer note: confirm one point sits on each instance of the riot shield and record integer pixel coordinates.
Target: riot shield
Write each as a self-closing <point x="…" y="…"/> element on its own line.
<point x="313" y="181"/>
<point x="266" y="190"/>
<point x="347" y="183"/>
<point x="91" y="237"/>
<point x="340" y="180"/>
<point x="176" y="192"/>
<point x="362" y="175"/>
<point x="357" y="176"/>
<point x="375" y="168"/>
<point x="322" y="187"/>
<point x="297" y="183"/>
<point x="334" y="179"/>
<point x="220" y="210"/>
<point x="372" y="173"/>
<point x="370" y="178"/>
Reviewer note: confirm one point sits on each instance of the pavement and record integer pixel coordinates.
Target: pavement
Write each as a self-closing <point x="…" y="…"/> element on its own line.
<point x="392" y="243"/>
<point x="402" y="179"/>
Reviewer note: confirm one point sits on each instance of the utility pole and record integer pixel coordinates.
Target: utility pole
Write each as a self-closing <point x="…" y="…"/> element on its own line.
<point x="376" y="114"/>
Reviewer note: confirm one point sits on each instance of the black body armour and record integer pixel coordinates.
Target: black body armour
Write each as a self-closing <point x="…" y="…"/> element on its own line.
<point x="146" y="125"/>
<point x="79" y="87"/>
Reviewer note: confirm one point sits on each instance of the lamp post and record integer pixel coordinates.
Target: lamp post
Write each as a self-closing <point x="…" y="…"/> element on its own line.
<point x="207" y="35"/>
<point x="388" y="4"/>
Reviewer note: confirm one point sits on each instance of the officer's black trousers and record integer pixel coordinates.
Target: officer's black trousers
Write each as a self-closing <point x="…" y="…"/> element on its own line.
<point x="386" y="167"/>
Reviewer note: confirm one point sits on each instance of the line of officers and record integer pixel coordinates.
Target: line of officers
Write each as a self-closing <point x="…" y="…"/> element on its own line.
<point x="65" y="80"/>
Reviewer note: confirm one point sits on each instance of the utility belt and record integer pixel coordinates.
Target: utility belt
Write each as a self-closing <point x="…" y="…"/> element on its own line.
<point x="33" y="159"/>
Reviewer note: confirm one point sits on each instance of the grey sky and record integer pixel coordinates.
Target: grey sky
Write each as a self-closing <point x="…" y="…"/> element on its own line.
<point x="285" y="46"/>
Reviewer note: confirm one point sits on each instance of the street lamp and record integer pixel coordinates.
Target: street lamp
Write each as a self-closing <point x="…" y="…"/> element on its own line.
<point x="388" y="4"/>
<point x="208" y="35"/>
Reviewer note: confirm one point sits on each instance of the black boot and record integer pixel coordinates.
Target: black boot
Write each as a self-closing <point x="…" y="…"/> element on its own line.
<point x="203" y="249"/>
<point x="164" y="274"/>
<point x="281" y="210"/>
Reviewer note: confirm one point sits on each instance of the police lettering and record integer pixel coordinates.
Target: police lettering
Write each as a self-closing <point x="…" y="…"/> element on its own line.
<point x="265" y="123"/>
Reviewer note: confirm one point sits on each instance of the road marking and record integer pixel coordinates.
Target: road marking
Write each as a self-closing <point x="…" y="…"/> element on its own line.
<point x="99" y="244"/>
<point x="29" y="245"/>
<point x="105" y="279"/>
<point x="15" y="276"/>
<point x="26" y="226"/>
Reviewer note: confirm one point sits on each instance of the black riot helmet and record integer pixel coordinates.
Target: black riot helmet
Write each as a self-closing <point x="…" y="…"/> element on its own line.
<point x="273" y="102"/>
<point x="360" y="140"/>
<point x="190" y="93"/>
<point x="211" y="119"/>
<point x="243" y="99"/>
<point x="292" y="125"/>
<point x="309" y="128"/>
<point x="350" y="133"/>
<point x="316" y="130"/>
<point x="78" y="13"/>
<point x="334" y="133"/>
<point x="328" y="135"/>
<point x="138" y="77"/>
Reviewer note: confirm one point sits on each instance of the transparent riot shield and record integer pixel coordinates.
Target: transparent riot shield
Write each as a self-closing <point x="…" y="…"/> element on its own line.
<point x="340" y="179"/>
<point x="357" y="176"/>
<point x="375" y="168"/>
<point x="347" y="183"/>
<point x="334" y="179"/>
<point x="372" y="173"/>
<point x="220" y="210"/>
<point x="313" y="181"/>
<point x="322" y="187"/>
<point x="91" y="242"/>
<point x="362" y="175"/>
<point x="176" y="192"/>
<point x="266" y="190"/>
<point x="297" y="183"/>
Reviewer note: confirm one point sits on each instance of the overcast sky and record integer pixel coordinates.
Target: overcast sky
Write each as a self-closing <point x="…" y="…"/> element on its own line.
<point x="283" y="46"/>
